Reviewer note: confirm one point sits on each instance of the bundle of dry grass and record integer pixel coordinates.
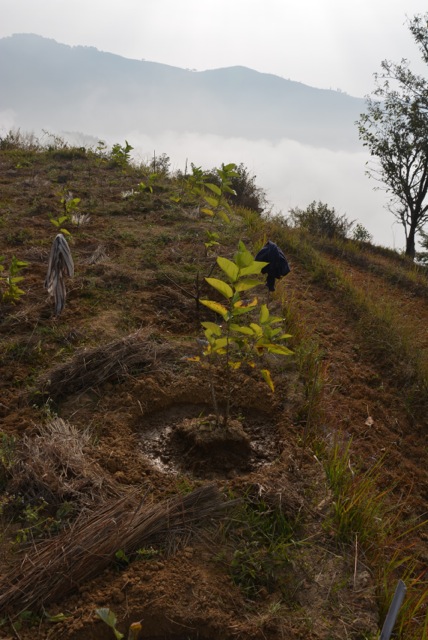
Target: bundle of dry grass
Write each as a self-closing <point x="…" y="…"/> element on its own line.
<point x="53" y="465"/>
<point x="60" y="264"/>
<point x="54" y="569"/>
<point x="90" y="368"/>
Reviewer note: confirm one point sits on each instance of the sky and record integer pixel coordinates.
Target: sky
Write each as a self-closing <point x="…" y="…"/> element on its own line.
<point x="329" y="44"/>
<point x="333" y="44"/>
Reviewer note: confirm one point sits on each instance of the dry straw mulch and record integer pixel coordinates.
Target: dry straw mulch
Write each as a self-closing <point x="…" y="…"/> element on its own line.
<point x="53" y="464"/>
<point x="52" y="570"/>
<point x="90" y="368"/>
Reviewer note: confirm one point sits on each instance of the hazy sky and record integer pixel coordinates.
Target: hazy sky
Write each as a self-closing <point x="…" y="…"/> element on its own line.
<point x="334" y="44"/>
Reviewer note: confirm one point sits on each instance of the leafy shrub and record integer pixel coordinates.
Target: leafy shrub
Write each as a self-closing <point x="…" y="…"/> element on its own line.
<point x="245" y="191"/>
<point x="360" y="234"/>
<point x="422" y="256"/>
<point x="248" y="194"/>
<point x="319" y="219"/>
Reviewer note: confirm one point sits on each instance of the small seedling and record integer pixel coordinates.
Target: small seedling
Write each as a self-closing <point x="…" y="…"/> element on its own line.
<point x="148" y="186"/>
<point x="110" y="619"/>
<point x="121" y="155"/>
<point x="211" y="241"/>
<point x="212" y="197"/>
<point x="232" y="342"/>
<point x="12" y="292"/>
<point x="69" y="207"/>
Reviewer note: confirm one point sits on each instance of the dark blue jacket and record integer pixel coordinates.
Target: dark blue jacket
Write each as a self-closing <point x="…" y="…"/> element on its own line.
<point x="278" y="265"/>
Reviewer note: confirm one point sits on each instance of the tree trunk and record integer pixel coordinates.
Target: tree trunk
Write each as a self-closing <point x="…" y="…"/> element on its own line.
<point x="410" y="243"/>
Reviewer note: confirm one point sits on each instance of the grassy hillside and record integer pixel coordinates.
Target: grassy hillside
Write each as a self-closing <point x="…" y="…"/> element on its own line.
<point x="117" y="491"/>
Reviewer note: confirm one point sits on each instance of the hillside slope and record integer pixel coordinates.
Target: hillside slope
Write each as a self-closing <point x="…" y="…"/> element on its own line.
<point x="311" y="509"/>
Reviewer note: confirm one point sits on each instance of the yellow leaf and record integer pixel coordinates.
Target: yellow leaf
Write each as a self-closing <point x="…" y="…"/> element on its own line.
<point x="212" y="328"/>
<point x="267" y="378"/>
<point x="222" y="287"/>
<point x="241" y="305"/>
<point x="215" y="306"/>
<point x="234" y="365"/>
<point x="207" y="212"/>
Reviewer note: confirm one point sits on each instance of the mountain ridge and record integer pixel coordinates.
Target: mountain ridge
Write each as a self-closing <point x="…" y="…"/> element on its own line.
<point x="48" y="84"/>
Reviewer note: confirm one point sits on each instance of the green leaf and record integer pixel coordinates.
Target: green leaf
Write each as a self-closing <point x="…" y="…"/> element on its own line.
<point x="256" y="328"/>
<point x="212" y="327"/>
<point x="243" y="257"/>
<point x="215" y="306"/>
<point x="213" y="188"/>
<point x="264" y="314"/>
<point x="228" y="189"/>
<point x="277" y="348"/>
<point x="59" y="617"/>
<point x="267" y="378"/>
<point x="110" y="619"/>
<point x="222" y="287"/>
<point x="229" y="268"/>
<point x="244" y="285"/>
<point x="17" y="291"/>
<point x="213" y="202"/>
<point x="229" y="167"/>
<point x="247" y="331"/>
<point x="253" y="269"/>
<point x="219" y="344"/>
<point x="223" y="215"/>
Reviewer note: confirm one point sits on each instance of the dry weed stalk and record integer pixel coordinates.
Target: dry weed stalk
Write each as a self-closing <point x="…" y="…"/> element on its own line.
<point x="60" y="264"/>
<point x="90" y="368"/>
<point x="53" y="569"/>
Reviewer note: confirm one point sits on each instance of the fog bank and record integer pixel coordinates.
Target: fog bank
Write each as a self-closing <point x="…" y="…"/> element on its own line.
<point x="292" y="174"/>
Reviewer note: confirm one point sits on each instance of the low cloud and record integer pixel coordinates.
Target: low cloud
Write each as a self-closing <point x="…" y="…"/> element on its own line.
<point x="292" y="174"/>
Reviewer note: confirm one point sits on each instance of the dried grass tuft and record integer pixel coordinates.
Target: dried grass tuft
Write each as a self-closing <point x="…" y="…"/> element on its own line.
<point x="53" y="465"/>
<point x="90" y="368"/>
<point x="53" y="569"/>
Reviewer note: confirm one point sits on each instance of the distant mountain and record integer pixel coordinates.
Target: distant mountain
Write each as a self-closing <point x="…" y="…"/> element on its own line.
<point x="53" y="86"/>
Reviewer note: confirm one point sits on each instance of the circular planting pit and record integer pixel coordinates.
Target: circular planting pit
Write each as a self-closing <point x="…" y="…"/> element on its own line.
<point x="185" y="439"/>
